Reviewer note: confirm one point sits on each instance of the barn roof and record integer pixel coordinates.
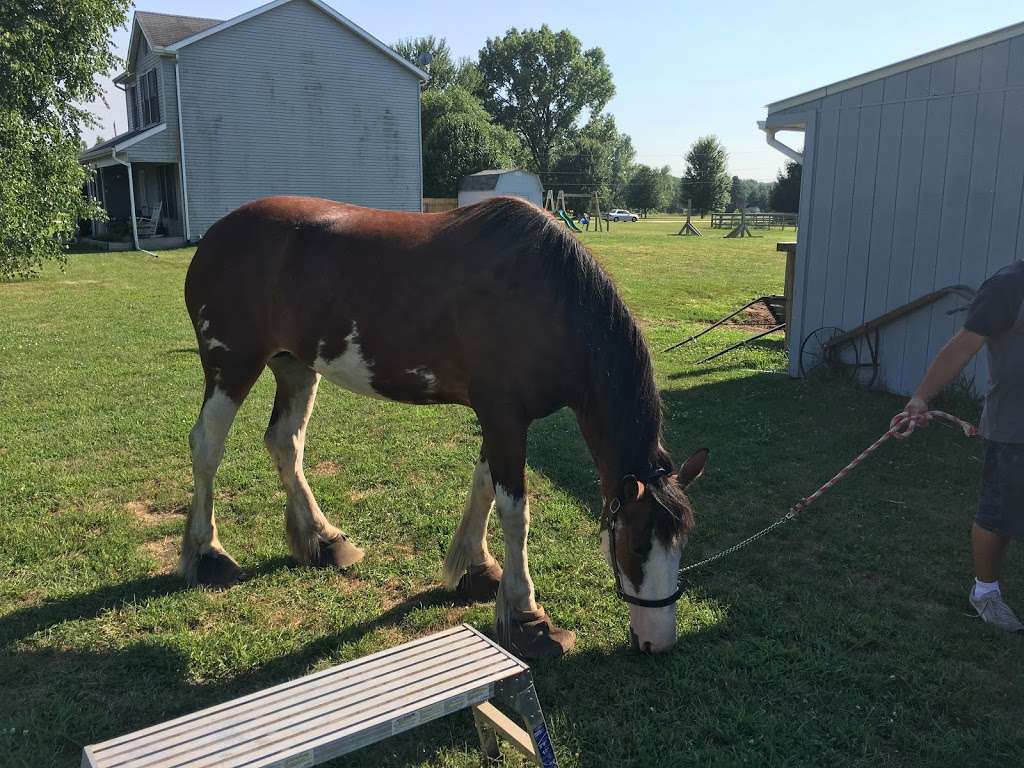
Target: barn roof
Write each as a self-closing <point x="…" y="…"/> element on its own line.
<point x="484" y="180"/>
<point x="163" y="29"/>
<point x="901" y="66"/>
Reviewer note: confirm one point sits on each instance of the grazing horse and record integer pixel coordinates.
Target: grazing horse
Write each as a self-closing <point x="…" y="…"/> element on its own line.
<point x="493" y="306"/>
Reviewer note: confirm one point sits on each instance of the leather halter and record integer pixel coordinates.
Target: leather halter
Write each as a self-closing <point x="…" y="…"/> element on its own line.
<point x="612" y="518"/>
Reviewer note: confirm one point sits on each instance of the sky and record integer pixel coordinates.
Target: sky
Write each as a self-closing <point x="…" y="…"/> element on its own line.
<point x="681" y="69"/>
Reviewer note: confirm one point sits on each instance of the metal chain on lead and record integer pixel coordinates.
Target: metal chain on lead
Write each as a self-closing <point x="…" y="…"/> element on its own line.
<point x="901" y="427"/>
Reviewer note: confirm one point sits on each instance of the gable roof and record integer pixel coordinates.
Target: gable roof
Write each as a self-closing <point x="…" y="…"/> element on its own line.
<point x="163" y="29"/>
<point x="330" y="12"/>
<point x="938" y="54"/>
<point x="484" y="180"/>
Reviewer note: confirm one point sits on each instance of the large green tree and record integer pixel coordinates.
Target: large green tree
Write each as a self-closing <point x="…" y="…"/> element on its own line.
<point x="538" y="83"/>
<point x="706" y="181"/>
<point x="50" y="54"/>
<point x="785" y="196"/>
<point x="459" y="138"/>
<point x="649" y="189"/>
<point x="597" y="158"/>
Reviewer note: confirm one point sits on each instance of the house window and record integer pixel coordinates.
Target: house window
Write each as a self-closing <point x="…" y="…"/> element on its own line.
<point x="131" y="95"/>
<point x="150" y="93"/>
<point x="169" y="190"/>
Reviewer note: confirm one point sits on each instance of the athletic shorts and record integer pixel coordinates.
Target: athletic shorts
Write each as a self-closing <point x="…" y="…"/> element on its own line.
<point x="1001" y="501"/>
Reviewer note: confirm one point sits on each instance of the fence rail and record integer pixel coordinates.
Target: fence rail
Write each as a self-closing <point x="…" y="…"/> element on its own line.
<point x="757" y="220"/>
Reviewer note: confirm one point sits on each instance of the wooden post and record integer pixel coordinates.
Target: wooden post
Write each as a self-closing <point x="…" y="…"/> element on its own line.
<point x="742" y="230"/>
<point x="787" y="291"/>
<point x="688" y="228"/>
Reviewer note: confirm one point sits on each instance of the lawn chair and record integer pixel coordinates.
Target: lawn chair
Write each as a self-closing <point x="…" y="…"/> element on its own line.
<point x="148" y="225"/>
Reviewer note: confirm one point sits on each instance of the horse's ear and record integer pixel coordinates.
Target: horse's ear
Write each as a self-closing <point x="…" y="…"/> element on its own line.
<point x="632" y="489"/>
<point x="692" y="468"/>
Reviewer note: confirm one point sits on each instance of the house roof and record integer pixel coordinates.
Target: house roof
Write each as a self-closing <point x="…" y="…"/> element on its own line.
<point x="938" y="54"/>
<point x="484" y="180"/>
<point x="121" y="141"/>
<point x="163" y="29"/>
<point x="327" y="10"/>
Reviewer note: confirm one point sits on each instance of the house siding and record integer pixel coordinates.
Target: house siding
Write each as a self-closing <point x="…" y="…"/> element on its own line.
<point x="291" y="102"/>
<point x="912" y="183"/>
<point x="162" y="148"/>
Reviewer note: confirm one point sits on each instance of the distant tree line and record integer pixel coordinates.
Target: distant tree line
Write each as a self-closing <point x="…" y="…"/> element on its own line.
<point x="535" y="99"/>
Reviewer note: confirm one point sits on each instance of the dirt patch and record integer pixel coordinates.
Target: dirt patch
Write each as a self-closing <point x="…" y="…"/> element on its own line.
<point x="756" y="315"/>
<point x="326" y="468"/>
<point x="164" y="551"/>
<point x="365" y="493"/>
<point x="148" y="514"/>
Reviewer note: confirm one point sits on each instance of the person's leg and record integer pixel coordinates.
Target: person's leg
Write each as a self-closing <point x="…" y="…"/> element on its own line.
<point x="988" y="548"/>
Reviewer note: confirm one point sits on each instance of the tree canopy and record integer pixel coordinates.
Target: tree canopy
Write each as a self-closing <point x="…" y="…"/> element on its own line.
<point x="706" y="181"/>
<point x="786" y="192"/>
<point x="597" y="158"/>
<point x="50" y="54"/>
<point x="459" y="138"/>
<point x="649" y="189"/>
<point x="539" y="82"/>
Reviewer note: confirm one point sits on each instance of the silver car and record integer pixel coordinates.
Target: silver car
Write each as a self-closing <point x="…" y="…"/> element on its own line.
<point x="619" y="214"/>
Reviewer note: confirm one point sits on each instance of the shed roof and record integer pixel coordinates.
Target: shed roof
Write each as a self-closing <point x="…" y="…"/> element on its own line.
<point x="163" y="29"/>
<point x="938" y="54"/>
<point x="484" y="180"/>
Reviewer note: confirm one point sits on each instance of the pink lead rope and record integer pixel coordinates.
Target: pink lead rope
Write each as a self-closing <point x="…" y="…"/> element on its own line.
<point x="901" y="427"/>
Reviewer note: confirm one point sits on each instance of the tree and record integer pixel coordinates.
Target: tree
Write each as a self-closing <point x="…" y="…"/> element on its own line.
<point x="649" y="189"/>
<point x="50" y="54"/>
<point x="442" y="69"/>
<point x="706" y="181"/>
<point x="597" y="158"/>
<point x="785" y="196"/>
<point x="459" y="138"/>
<point x="538" y="83"/>
<point x="737" y="194"/>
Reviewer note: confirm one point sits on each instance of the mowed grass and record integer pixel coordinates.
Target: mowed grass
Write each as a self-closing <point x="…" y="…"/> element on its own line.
<point x="843" y="639"/>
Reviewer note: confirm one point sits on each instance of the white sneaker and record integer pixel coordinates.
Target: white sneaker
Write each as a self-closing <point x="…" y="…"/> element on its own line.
<point x="994" y="610"/>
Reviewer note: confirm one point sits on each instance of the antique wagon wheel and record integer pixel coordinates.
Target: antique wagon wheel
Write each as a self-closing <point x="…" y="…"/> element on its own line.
<point x="817" y="358"/>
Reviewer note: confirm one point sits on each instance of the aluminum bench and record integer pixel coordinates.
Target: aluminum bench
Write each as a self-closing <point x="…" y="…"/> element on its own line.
<point x="338" y="710"/>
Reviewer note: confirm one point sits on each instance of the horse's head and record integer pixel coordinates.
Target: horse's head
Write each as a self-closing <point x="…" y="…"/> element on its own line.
<point x="650" y="520"/>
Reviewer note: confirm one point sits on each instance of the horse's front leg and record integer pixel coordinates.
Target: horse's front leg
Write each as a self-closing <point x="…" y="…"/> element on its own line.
<point x="520" y="623"/>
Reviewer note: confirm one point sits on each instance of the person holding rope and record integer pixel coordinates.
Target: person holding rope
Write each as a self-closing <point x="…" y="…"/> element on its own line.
<point x="995" y="319"/>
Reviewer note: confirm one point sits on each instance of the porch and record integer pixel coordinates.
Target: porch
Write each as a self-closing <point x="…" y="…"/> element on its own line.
<point x="158" y="206"/>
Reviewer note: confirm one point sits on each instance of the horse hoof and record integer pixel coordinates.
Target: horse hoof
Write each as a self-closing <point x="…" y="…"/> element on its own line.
<point x="532" y="635"/>
<point x="338" y="553"/>
<point x="479" y="584"/>
<point x="217" y="570"/>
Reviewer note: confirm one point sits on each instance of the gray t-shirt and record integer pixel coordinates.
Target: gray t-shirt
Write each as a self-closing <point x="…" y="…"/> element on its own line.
<point x="997" y="313"/>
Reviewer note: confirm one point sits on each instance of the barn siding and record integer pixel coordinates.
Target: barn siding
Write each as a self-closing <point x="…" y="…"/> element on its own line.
<point x="916" y="182"/>
<point x="291" y="102"/>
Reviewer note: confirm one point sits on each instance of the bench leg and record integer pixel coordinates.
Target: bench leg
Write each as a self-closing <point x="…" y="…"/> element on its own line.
<point x="488" y="736"/>
<point x="526" y="704"/>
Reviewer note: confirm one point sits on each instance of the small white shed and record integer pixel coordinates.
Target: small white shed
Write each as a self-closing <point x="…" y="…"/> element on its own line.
<point x="501" y="183"/>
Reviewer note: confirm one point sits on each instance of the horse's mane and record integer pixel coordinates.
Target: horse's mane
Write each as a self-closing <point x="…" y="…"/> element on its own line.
<point x="622" y="396"/>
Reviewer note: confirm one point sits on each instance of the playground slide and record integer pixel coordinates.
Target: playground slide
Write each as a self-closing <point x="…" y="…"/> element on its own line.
<point x="568" y="222"/>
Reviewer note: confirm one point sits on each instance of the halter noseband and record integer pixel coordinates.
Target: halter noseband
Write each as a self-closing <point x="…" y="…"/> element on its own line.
<point x="613" y="516"/>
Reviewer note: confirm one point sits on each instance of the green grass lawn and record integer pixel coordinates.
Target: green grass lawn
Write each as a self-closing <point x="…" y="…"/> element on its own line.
<point x="844" y="639"/>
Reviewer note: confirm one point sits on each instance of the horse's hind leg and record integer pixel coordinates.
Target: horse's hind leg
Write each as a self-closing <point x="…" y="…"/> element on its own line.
<point x="469" y="567"/>
<point x="203" y="559"/>
<point x="311" y="537"/>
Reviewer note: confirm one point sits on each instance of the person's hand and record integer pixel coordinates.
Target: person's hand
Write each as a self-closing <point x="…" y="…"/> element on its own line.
<point x="915" y="412"/>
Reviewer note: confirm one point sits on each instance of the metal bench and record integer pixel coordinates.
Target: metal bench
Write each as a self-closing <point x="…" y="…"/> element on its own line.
<point x="331" y="713"/>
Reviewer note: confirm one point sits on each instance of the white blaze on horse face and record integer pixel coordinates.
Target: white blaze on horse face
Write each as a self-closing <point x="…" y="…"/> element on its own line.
<point x="655" y="628"/>
<point x="350" y="369"/>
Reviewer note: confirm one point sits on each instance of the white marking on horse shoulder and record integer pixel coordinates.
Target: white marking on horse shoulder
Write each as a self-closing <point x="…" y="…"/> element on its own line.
<point x="427" y="377"/>
<point x="350" y="369"/>
<point x="212" y="343"/>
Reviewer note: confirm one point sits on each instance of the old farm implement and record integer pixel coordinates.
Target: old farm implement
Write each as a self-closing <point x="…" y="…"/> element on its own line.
<point x="776" y="306"/>
<point x="836" y="352"/>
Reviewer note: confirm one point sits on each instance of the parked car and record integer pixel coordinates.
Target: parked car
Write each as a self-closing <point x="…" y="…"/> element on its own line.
<point x="619" y="214"/>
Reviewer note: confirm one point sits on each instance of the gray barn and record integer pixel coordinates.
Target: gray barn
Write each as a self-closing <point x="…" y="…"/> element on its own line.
<point x="912" y="181"/>
<point x="289" y="98"/>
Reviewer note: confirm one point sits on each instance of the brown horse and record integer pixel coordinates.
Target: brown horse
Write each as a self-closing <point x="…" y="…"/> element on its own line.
<point x="494" y="306"/>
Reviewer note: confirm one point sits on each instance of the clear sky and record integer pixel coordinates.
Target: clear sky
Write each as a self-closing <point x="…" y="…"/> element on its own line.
<point x="681" y="69"/>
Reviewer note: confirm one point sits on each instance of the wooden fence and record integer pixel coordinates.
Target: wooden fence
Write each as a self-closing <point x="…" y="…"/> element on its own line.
<point x="439" y="204"/>
<point x="757" y="220"/>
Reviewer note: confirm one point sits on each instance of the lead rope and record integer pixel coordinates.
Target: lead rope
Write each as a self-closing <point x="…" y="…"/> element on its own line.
<point x="901" y="427"/>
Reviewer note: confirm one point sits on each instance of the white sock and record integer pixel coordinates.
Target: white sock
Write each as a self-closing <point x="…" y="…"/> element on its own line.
<point x="982" y="588"/>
